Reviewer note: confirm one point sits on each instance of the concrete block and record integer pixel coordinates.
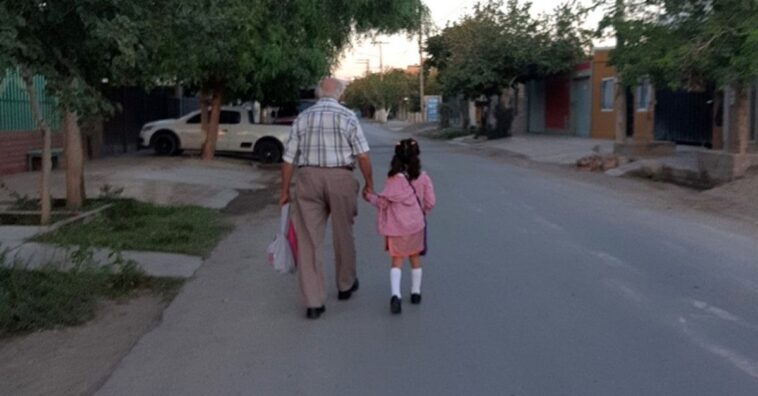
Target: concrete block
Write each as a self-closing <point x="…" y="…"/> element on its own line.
<point x="724" y="167"/>
<point x="644" y="149"/>
<point x="34" y="255"/>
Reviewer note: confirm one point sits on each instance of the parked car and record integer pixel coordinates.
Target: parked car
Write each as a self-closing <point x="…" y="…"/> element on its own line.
<point x="288" y="113"/>
<point x="238" y="133"/>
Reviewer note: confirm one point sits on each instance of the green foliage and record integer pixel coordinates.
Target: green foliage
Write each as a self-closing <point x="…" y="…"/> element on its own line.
<point x="688" y="43"/>
<point x="75" y="45"/>
<point x="501" y="44"/>
<point x="7" y="39"/>
<point x="380" y="90"/>
<point x="244" y="48"/>
<point x="263" y="49"/>
<point x="46" y="298"/>
<point x="132" y="225"/>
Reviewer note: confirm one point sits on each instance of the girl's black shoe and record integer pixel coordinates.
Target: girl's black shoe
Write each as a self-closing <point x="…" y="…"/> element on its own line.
<point x="396" y="305"/>
<point x="315" y="313"/>
<point x="415" y="298"/>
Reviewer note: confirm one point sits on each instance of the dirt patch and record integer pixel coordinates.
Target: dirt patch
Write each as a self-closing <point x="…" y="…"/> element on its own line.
<point x="76" y="360"/>
<point x="252" y="201"/>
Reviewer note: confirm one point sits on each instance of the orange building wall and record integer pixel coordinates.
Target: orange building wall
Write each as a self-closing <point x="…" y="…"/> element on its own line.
<point x="644" y="121"/>
<point x="603" y="122"/>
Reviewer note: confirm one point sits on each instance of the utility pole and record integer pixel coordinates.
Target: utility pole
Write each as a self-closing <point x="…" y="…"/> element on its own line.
<point x="421" y="68"/>
<point x="621" y="111"/>
<point x="381" y="55"/>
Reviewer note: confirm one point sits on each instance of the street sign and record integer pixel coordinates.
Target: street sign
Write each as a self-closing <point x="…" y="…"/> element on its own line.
<point x="433" y="108"/>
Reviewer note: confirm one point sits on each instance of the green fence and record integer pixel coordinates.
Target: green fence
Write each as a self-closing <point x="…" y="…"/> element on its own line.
<point x="15" y="111"/>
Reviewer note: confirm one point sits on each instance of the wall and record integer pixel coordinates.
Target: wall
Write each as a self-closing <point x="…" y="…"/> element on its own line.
<point x="603" y="122"/>
<point x="536" y="105"/>
<point x="644" y="119"/>
<point x="521" y="121"/>
<point x="18" y="134"/>
<point x="14" y="146"/>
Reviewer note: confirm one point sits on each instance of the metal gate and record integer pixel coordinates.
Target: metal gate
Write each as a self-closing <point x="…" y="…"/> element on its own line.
<point x="137" y="107"/>
<point x="684" y="117"/>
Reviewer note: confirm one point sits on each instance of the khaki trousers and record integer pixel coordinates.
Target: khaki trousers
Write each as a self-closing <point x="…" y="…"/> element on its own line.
<point x="319" y="194"/>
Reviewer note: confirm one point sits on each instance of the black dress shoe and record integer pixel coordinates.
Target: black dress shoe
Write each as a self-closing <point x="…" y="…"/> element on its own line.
<point x="315" y="313"/>
<point x="345" y="295"/>
<point x="396" y="305"/>
<point x="415" y="298"/>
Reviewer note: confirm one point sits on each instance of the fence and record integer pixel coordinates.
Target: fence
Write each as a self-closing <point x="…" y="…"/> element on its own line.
<point x="15" y="109"/>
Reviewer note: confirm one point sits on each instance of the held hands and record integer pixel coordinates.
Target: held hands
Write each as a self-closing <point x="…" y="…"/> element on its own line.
<point x="367" y="190"/>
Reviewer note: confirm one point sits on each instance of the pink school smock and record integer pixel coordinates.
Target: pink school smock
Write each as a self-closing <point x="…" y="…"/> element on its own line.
<point x="400" y="218"/>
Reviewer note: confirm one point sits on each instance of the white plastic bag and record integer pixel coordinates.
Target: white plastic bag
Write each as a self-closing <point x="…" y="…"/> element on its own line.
<point x="279" y="251"/>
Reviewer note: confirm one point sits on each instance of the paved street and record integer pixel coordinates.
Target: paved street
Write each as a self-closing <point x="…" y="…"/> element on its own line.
<point x="535" y="285"/>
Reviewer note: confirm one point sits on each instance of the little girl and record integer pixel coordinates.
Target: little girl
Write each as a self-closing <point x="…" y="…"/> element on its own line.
<point x="407" y="197"/>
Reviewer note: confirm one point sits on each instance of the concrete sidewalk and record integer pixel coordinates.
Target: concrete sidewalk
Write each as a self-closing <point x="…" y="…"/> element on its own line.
<point x="158" y="180"/>
<point x="559" y="150"/>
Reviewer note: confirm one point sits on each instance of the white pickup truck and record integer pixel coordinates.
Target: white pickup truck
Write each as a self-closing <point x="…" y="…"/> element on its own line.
<point x="237" y="133"/>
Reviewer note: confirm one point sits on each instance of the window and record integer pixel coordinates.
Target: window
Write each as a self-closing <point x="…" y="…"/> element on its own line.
<point x="227" y="117"/>
<point x="607" y="91"/>
<point x="194" y="119"/>
<point x="230" y="117"/>
<point x="643" y="95"/>
<point x="251" y="116"/>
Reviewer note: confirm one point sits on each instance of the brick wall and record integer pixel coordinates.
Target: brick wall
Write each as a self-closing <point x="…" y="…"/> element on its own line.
<point x="15" y="145"/>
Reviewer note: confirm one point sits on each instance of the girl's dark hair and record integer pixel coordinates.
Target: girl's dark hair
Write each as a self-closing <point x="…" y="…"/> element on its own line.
<point x="406" y="159"/>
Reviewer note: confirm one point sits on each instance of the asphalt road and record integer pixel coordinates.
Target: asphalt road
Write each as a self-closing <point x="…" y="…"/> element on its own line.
<point x="534" y="285"/>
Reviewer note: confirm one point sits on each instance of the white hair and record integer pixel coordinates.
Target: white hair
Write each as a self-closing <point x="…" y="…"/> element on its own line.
<point x="330" y="88"/>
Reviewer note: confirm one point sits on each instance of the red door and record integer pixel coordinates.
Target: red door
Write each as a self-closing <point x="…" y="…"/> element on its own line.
<point x="557" y="104"/>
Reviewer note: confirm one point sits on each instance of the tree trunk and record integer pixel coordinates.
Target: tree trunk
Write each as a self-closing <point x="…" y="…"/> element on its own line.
<point x="209" y="147"/>
<point x="620" y="103"/>
<point x="74" y="161"/>
<point x="47" y="161"/>
<point x="205" y="103"/>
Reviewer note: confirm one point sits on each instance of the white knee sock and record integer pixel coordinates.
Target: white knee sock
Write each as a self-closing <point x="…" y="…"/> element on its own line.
<point x="395" y="275"/>
<point x="416" y="281"/>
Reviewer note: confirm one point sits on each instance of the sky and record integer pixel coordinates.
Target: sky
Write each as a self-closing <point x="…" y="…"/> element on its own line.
<point x="400" y="51"/>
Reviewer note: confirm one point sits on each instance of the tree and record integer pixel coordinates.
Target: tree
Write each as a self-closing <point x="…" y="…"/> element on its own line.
<point x="692" y="45"/>
<point x="500" y="45"/>
<point x="382" y="91"/>
<point x="688" y="43"/>
<point x="75" y="45"/>
<point x="238" y="48"/>
<point x="9" y="46"/>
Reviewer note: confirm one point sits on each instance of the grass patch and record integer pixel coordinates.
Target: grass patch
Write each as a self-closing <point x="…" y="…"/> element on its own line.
<point x="133" y="225"/>
<point x="449" y="133"/>
<point x="33" y="300"/>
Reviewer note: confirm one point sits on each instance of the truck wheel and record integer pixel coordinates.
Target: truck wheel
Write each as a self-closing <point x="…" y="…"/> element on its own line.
<point x="268" y="152"/>
<point x="165" y="144"/>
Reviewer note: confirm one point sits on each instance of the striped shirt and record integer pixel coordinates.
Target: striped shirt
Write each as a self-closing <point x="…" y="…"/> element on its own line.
<point x="326" y="135"/>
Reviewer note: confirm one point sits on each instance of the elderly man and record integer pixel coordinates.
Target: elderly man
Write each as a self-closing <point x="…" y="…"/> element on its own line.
<point x="325" y="143"/>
